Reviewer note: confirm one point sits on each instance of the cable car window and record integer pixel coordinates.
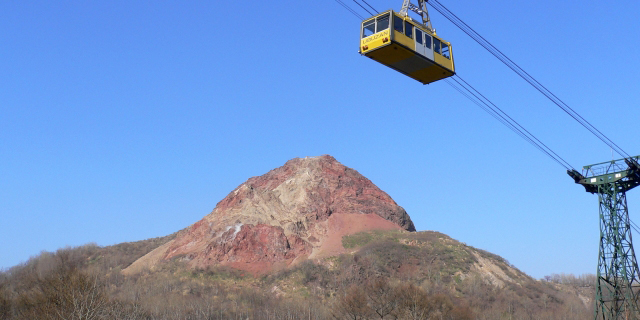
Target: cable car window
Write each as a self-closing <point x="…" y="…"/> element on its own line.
<point x="445" y="51"/>
<point x="408" y="29"/>
<point x="427" y="41"/>
<point x="368" y="28"/>
<point x="418" y="36"/>
<point x="436" y="45"/>
<point x="397" y="23"/>
<point x="383" y="23"/>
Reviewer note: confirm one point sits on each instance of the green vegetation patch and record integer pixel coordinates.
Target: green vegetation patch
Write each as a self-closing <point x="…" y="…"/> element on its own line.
<point x="362" y="238"/>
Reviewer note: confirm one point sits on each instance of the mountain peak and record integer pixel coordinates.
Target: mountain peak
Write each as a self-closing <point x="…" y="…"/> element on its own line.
<point x="297" y="211"/>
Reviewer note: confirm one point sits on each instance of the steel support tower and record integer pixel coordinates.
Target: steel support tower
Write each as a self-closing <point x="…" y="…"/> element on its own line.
<point x="617" y="276"/>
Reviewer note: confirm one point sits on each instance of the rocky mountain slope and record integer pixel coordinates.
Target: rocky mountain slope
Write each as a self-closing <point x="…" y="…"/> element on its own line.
<point x="406" y="275"/>
<point x="298" y="211"/>
<point x="318" y="240"/>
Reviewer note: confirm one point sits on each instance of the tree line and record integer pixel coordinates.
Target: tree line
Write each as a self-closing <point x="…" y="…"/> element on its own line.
<point x="383" y="280"/>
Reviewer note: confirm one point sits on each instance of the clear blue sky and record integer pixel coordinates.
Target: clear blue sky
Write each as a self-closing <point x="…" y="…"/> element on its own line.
<point x="121" y="121"/>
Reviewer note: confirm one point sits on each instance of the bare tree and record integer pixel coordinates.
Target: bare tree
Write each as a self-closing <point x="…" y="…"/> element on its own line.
<point x="63" y="292"/>
<point x="414" y="302"/>
<point x="5" y="303"/>
<point x="117" y="310"/>
<point x="442" y="306"/>
<point x="351" y="305"/>
<point x="382" y="298"/>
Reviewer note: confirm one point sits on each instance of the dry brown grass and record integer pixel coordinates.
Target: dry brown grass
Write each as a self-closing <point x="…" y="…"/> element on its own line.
<point x="391" y="275"/>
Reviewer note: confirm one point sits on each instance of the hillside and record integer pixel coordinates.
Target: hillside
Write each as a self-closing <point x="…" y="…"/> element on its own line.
<point x="447" y="277"/>
<point x="310" y="239"/>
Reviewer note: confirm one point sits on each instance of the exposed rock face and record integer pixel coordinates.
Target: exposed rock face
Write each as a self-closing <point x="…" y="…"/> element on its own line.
<point x="299" y="210"/>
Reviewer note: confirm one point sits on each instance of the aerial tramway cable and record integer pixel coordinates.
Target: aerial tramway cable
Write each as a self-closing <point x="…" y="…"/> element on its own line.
<point x="483" y="102"/>
<point x="372" y="8"/>
<point x="349" y="9"/>
<point x="615" y="241"/>
<point x="363" y="8"/>
<point x="487" y="105"/>
<point x="514" y="67"/>
<point x="479" y="99"/>
<point x="526" y="76"/>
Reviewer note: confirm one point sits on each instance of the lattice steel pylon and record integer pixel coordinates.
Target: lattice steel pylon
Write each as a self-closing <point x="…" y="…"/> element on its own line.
<point x="617" y="275"/>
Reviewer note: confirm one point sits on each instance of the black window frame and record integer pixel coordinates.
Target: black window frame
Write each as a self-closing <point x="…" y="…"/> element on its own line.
<point x="408" y="29"/>
<point x="436" y="45"/>
<point x="382" y="18"/>
<point x="428" y="42"/>
<point x="446" y="54"/>
<point x="365" y="25"/>
<point x="398" y="23"/>
<point x="419" y="39"/>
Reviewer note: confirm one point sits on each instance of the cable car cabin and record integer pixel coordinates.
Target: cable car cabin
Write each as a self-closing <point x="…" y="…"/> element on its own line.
<point x="404" y="45"/>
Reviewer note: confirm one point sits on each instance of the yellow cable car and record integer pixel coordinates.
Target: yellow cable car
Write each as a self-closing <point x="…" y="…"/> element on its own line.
<point x="403" y="44"/>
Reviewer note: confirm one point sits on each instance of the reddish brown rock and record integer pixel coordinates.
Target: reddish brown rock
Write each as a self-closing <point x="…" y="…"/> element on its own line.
<point x="328" y="186"/>
<point x="244" y="244"/>
<point x="299" y="210"/>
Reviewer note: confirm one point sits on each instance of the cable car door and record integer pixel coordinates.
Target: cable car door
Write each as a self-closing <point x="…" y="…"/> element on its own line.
<point x="423" y="44"/>
<point x="428" y="47"/>
<point x="419" y="42"/>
